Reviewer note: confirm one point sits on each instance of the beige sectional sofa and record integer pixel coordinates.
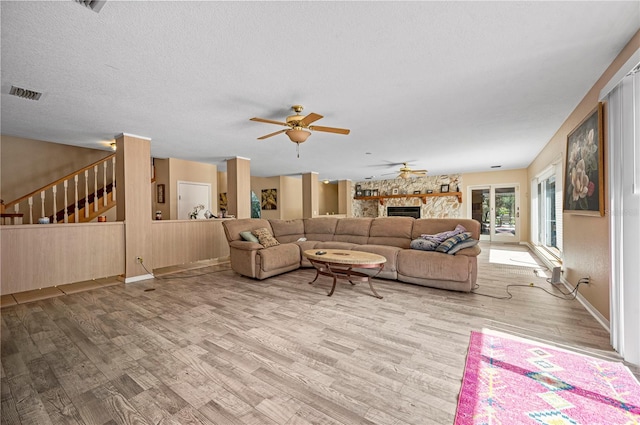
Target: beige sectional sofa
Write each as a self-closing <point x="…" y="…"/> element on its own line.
<point x="387" y="236"/>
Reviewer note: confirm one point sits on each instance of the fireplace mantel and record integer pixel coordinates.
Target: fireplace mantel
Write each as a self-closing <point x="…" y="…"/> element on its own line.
<point x="422" y="196"/>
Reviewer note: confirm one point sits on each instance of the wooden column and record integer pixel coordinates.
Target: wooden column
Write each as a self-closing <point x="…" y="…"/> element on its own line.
<point x="239" y="187"/>
<point x="133" y="174"/>
<point x="310" y="194"/>
<point x="345" y="201"/>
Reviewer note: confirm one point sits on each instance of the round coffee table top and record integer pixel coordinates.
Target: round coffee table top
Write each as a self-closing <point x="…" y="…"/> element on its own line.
<point x="344" y="256"/>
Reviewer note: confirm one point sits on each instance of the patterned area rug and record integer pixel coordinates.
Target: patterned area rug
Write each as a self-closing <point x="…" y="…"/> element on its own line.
<point x="508" y="380"/>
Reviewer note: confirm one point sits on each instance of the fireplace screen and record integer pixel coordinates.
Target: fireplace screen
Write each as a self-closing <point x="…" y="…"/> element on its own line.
<point x="403" y="212"/>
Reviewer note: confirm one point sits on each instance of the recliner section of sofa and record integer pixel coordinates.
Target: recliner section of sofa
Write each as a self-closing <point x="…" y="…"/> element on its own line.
<point x="387" y="236"/>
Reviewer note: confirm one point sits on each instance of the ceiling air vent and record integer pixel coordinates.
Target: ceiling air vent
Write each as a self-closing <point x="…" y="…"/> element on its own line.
<point x="25" y="93"/>
<point x="94" y="5"/>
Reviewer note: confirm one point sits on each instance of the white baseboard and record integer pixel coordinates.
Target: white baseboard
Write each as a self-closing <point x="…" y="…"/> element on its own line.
<point x="582" y="300"/>
<point x="138" y="278"/>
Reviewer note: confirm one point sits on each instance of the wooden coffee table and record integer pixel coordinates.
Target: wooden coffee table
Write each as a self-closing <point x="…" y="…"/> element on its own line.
<point x="339" y="263"/>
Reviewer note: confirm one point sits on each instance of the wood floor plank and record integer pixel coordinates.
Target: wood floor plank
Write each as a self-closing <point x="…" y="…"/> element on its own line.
<point x="207" y="346"/>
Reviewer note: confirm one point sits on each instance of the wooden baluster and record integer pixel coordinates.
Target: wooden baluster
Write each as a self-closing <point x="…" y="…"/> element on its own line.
<point x="42" y="213"/>
<point x="54" y="190"/>
<point x="30" y="200"/>
<point x="104" y="183"/>
<point x="66" y="201"/>
<point x="113" y="180"/>
<point x="76" y="215"/>
<point x="86" y="193"/>
<point x="95" y="188"/>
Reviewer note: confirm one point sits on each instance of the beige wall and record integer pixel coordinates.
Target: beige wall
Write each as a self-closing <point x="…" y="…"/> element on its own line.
<point x="27" y="165"/>
<point x="585" y="238"/>
<point x="518" y="177"/>
<point x="327" y="198"/>
<point x="170" y="171"/>
<point x="259" y="183"/>
<point x="292" y="197"/>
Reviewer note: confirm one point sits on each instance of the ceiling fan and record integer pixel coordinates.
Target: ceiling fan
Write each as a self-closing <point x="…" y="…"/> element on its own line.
<point x="406" y="172"/>
<point x="298" y="126"/>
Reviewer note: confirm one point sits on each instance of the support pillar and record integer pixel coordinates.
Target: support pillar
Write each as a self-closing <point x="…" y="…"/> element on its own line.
<point x="239" y="187"/>
<point x="310" y="194"/>
<point x="133" y="174"/>
<point x="345" y="201"/>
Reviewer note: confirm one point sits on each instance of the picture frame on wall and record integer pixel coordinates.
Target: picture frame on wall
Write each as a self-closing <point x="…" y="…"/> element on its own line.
<point x="584" y="169"/>
<point x="444" y="188"/>
<point x="160" y="193"/>
<point x="269" y="199"/>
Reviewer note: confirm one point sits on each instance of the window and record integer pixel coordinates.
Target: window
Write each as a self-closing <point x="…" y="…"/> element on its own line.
<point x="547" y="210"/>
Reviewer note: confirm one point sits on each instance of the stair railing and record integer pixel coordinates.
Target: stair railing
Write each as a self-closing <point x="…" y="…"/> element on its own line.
<point x="97" y="170"/>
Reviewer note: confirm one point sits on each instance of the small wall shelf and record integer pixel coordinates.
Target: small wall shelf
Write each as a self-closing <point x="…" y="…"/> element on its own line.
<point x="422" y="196"/>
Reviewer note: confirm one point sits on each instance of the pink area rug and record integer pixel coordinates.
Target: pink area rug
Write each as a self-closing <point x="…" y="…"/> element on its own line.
<point x="509" y="381"/>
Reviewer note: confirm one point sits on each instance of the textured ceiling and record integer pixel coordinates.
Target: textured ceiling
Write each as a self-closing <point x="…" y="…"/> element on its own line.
<point x="450" y="86"/>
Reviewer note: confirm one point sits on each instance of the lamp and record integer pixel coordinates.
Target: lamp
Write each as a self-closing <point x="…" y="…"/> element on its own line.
<point x="298" y="135"/>
<point x="113" y="146"/>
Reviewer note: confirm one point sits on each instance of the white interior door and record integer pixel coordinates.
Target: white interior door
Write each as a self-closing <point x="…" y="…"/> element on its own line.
<point x="190" y="195"/>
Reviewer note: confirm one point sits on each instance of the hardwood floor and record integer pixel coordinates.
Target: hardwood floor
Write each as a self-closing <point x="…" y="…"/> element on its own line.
<point x="207" y="346"/>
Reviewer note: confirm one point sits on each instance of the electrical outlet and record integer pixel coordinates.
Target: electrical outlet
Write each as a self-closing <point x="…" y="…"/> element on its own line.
<point x="139" y="260"/>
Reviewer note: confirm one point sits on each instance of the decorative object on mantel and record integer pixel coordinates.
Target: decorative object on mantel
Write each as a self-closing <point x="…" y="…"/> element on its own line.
<point x="444" y="188"/>
<point x="416" y="192"/>
<point x="374" y="192"/>
<point x="194" y="214"/>
<point x="429" y="191"/>
<point x="395" y="191"/>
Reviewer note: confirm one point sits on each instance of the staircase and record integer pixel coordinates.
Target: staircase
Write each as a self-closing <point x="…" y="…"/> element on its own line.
<point x="83" y="194"/>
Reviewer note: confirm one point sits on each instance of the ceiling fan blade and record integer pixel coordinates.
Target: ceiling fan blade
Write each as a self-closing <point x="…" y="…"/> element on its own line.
<point x="419" y="171"/>
<point x="312" y="117"/>
<point x="271" y="135"/>
<point x="269" y="121"/>
<point x="330" y="129"/>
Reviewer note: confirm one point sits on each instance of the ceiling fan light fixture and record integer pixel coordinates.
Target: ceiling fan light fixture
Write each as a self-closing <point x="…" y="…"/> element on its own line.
<point x="298" y="135"/>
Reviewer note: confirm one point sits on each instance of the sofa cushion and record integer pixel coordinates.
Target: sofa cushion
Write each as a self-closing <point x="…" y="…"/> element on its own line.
<point x="265" y="238"/>
<point x="433" y="265"/>
<point x="287" y="230"/>
<point x="279" y="256"/>
<point x="392" y="231"/>
<point x="449" y="243"/>
<point x="462" y="245"/>
<point x="320" y="229"/>
<point x="354" y="230"/>
<point x="424" y="244"/>
<point x="388" y="252"/>
<point x="249" y="237"/>
<point x="232" y="228"/>
<point x="336" y="245"/>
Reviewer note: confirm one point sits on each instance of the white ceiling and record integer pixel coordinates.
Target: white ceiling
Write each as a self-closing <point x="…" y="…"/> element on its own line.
<point x="451" y="86"/>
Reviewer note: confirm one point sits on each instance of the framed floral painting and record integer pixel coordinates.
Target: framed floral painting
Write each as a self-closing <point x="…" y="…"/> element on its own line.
<point x="584" y="173"/>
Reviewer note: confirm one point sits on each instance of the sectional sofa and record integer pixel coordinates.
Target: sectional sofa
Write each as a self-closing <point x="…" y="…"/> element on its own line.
<point x="387" y="236"/>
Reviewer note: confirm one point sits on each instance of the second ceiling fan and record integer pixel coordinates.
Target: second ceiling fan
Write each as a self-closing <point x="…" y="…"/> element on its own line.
<point x="406" y="172"/>
<point x="299" y="126"/>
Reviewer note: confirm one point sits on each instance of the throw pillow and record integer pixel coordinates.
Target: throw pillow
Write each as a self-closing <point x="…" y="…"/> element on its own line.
<point x="449" y="243"/>
<point x="265" y="238"/>
<point x="462" y="245"/>
<point x="424" y="244"/>
<point x="248" y="236"/>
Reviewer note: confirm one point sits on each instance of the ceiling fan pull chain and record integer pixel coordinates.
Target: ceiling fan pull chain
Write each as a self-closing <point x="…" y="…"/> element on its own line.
<point x="298" y="149"/>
